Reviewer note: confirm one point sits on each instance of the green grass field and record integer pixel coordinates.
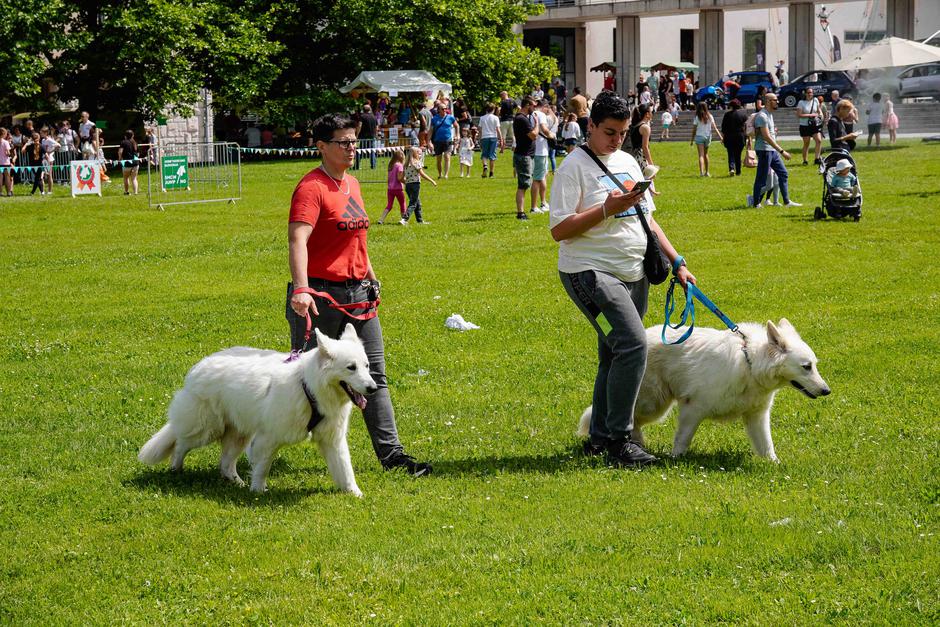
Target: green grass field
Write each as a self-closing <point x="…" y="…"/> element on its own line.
<point x="106" y="305"/>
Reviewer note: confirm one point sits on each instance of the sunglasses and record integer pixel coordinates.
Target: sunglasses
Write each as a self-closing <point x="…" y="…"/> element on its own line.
<point x="345" y="143"/>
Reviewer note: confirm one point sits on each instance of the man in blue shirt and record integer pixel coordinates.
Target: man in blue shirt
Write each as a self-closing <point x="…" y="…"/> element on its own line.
<point x="445" y="133"/>
<point x="768" y="155"/>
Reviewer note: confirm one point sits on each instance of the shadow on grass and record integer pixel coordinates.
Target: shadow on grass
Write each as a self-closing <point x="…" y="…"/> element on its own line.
<point x="206" y="483"/>
<point x="935" y="192"/>
<point x="574" y="459"/>
<point x="487" y="217"/>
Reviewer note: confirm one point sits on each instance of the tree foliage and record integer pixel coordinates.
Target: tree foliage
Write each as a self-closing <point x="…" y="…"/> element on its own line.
<point x="468" y="43"/>
<point x="282" y="58"/>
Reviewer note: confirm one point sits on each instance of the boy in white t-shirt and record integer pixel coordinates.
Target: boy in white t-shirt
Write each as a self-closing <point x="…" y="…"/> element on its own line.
<point x="667" y="121"/>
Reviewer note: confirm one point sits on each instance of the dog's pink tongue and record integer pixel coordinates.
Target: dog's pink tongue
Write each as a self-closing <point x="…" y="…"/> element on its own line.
<point x="360" y="400"/>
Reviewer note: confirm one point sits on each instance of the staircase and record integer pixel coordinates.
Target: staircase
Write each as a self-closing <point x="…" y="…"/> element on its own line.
<point x="918" y="117"/>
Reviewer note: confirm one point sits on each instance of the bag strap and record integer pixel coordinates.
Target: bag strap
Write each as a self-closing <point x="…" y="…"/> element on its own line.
<point x="600" y="164"/>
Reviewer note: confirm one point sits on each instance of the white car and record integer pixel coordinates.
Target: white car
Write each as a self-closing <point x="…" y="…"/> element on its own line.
<point x="920" y="81"/>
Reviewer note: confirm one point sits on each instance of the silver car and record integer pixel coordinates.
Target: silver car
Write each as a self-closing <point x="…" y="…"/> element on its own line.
<point x="920" y="81"/>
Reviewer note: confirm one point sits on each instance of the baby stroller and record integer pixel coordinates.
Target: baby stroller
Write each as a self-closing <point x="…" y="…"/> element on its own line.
<point x="835" y="203"/>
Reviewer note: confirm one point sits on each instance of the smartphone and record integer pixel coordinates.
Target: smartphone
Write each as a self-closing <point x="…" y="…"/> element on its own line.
<point x="641" y="186"/>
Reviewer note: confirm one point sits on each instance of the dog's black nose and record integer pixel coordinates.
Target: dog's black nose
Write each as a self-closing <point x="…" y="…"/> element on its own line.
<point x="825" y="392"/>
<point x="372" y="389"/>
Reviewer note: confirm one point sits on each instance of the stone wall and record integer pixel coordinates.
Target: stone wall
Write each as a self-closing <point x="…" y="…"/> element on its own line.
<point x="194" y="129"/>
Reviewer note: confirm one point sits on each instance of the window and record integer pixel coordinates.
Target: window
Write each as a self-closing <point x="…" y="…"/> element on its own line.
<point x="755" y="45"/>
<point x="687" y="45"/>
<point x="860" y="36"/>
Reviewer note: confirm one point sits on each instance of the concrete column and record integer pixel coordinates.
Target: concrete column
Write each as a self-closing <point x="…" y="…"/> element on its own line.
<point x="628" y="53"/>
<point x="580" y="60"/>
<point x="801" y="43"/>
<point x="899" y="18"/>
<point x="711" y="46"/>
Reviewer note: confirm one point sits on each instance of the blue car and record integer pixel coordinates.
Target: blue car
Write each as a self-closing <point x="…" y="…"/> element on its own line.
<point x="714" y="95"/>
<point x="822" y="82"/>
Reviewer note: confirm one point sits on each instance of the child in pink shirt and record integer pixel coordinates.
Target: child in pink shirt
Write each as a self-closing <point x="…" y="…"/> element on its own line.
<point x="395" y="189"/>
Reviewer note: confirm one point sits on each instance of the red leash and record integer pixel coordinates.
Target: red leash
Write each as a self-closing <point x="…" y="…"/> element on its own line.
<point x="372" y="305"/>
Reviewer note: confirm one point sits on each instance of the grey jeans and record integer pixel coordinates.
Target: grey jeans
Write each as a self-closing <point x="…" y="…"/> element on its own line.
<point x="615" y="308"/>
<point x="379" y="414"/>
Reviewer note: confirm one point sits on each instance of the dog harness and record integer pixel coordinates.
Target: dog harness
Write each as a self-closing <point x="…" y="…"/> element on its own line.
<point x="316" y="417"/>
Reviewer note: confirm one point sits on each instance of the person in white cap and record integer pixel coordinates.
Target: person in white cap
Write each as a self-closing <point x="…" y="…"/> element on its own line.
<point x="844" y="183"/>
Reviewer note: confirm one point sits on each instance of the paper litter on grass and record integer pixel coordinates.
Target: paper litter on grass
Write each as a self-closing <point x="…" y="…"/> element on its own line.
<point x="456" y="321"/>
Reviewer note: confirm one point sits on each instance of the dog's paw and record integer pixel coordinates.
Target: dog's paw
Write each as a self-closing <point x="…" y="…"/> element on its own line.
<point x="356" y="492"/>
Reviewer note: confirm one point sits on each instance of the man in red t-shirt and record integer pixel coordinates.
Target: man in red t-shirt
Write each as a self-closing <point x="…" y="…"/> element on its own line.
<point x="327" y="232"/>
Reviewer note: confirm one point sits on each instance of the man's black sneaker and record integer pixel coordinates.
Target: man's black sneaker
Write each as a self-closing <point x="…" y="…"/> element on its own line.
<point x="628" y="454"/>
<point x="593" y="450"/>
<point x="414" y="468"/>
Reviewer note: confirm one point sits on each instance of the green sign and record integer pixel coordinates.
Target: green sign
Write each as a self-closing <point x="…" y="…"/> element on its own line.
<point x="175" y="172"/>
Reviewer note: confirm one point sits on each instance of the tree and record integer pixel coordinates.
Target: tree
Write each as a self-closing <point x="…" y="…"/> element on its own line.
<point x="152" y="55"/>
<point x="468" y="43"/>
<point x="30" y="31"/>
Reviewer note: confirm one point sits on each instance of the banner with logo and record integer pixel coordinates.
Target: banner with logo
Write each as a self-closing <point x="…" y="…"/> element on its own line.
<point x="86" y="177"/>
<point x="175" y="170"/>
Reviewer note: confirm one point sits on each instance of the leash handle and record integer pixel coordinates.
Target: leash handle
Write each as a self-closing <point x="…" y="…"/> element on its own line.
<point x="688" y="312"/>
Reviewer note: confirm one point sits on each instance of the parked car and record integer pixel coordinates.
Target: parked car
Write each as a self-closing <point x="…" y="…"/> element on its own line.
<point x="920" y="81"/>
<point x="822" y="82"/>
<point x="747" y="93"/>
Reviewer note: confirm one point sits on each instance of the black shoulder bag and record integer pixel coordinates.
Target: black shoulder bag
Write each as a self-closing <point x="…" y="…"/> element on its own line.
<point x="655" y="264"/>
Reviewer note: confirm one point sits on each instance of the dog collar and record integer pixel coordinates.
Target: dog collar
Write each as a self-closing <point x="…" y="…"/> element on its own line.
<point x="315" y="416"/>
<point x="747" y="356"/>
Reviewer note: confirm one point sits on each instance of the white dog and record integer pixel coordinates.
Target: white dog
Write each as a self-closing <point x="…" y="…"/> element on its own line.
<point x="717" y="374"/>
<point x="243" y="395"/>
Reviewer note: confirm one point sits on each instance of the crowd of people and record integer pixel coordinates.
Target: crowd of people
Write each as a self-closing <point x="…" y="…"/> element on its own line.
<point x="40" y="157"/>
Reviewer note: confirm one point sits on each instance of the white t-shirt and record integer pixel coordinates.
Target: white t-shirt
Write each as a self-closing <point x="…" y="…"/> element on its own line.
<point x="572" y="131"/>
<point x="874" y="112"/>
<point x="703" y="129"/>
<point x="489" y="126"/>
<point x="667" y="118"/>
<point x="808" y="106"/>
<point x="253" y="136"/>
<point x="541" y="144"/>
<point x="617" y="244"/>
<point x="85" y="129"/>
<point x="646" y="98"/>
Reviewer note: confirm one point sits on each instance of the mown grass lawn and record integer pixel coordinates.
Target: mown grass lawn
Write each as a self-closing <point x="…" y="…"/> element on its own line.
<point x="106" y="304"/>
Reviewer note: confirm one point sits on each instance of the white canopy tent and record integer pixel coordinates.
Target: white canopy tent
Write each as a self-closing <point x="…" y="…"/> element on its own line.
<point x="396" y="81"/>
<point x="889" y="52"/>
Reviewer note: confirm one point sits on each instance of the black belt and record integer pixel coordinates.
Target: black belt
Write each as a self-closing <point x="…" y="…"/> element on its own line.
<point x="347" y="284"/>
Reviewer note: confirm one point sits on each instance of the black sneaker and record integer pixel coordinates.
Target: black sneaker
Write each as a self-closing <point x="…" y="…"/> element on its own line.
<point x="593" y="450"/>
<point x="521" y="216"/>
<point x="628" y="454"/>
<point x="414" y="468"/>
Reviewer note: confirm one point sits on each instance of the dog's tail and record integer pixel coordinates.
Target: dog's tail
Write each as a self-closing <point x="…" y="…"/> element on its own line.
<point x="158" y="447"/>
<point x="584" y="423"/>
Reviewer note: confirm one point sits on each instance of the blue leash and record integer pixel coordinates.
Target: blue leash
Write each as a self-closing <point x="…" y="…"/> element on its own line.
<point x="688" y="312"/>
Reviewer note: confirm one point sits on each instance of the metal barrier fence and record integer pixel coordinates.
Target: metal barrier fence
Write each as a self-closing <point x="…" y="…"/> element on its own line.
<point x="198" y="172"/>
<point x="373" y="155"/>
<point x="27" y="165"/>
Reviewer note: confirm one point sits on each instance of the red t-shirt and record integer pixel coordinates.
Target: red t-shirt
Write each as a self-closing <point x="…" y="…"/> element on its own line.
<point x="336" y="250"/>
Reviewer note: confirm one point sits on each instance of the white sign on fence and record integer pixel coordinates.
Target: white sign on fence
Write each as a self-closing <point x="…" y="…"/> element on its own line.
<point x="86" y="177"/>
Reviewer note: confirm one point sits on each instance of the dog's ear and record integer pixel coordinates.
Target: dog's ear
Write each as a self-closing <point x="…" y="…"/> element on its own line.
<point x="324" y="343"/>
<point x="349" y="333"/>
<point x="775" y="337"/>
<point x="784" y="323"/>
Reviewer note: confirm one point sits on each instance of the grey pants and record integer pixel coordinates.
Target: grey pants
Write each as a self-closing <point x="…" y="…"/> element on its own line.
<point x="615" y="309"/>
<point x="379" y="414"/>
